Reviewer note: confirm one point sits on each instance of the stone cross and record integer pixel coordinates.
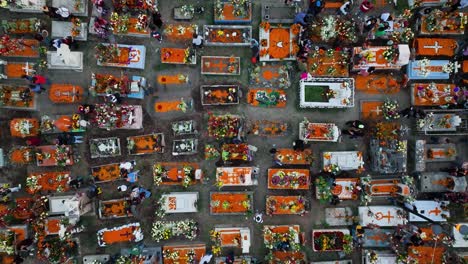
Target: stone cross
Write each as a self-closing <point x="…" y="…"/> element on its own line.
<point x="376" y="110"/>
<point x="27" y="70"/>
<point x="436" y="47"/>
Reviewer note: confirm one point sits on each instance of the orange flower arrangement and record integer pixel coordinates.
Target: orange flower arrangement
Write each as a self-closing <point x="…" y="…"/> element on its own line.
<point x="296" y="29"/>
<point x="266" y="26"/>
<point x="263" y="52"/>
<point x="279" y="43"/>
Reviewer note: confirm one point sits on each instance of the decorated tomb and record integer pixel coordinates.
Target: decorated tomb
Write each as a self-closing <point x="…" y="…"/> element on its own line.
<point x="76" y="29"/>
<point x="76" y="7"/>
<point x="135" y="5"/>
<point x="231" y="237"/>
<point x="436" y="211"/>
<point x="433" y="153"/>
<point x="104" y="147"/>
<point x="220" y="65"/>
<point x="184" y="12"/>
<point x="12" y="47"/>
<point x="183" y="254"/>
<point x="177" y="173"/>
<point x="64" y="59"/>
<point x="52" y="181"/>
<point x="224" y="126"/>
<point x="339" y="216"/>
<point x="111" y="172"/>
<point x="379" y="84"/>
<point x="277" y="42"/>
<point x="330" y="28"/>
<point x="346" y="188"/>
<point x="180" y="32"/>
<point x="24" y="127"/>
<point x="65" y="93"/>
<point x="61" y="123"/>
<point x="219" y="95"/>
<point x="187" y="146"/>
<point x="326" y="93"/>
<point x="267" y="128"/>
<point x="121" y="55"/>
<point x="180" y="105"/>
<point x="328" y="240"/>
<point x="231" y="203"/>
<point x="435" y="94"/>
<point x="439" y="22"/>
<point x="382" y="215"/>
<point x="120" y="234"/>
<point x="381" y="57"/>
<point x="283" y="243"/>
<point x="146" y="144"/>
<point x="309" y="132"/>
<point x="126" y="25"/>
<point x="436" y="47"/>
<point x="236" y="176"/>
<point x="19" y="98"/>
<point x="21" y="26"/>
<point x="176" y="79"/>
<point x="25" y="6"/>
<point x="342" y="160"/>
<point x="289" y="179"/>
<point x="236" y="153"/>
<point x="388" y="155"/>
<point x="266" y="97"/>
<point x="54" y="155"/>
<point x="227" y="35"/>
<point x="16" y="70"/>
<point x="377" y="238"/>
<point x="427" y="254"/>
<point x="293" y="157"/>
<point x="389" y="187"/>
<point x="103" y="84"/>
<point x="165" y="230"/>
<point x="21" y="155"/>
<point x="178" y="56"/>
<point x="426" y="69"/>
<point x="286" y="205"/>
<point x="232" y="11"/>
<point x="399" y="29"/>
<point x="116" y="208"/>
<point x="442" y="123"/>
<point x="179" y="202"/>
<point x="110" y="116"/>
<point x="271" y="76"/>
<point x="184" y="127"/>
<point x="371" y="110"/>
<point x="441" y="182"/>
<point x="328" y="62"/>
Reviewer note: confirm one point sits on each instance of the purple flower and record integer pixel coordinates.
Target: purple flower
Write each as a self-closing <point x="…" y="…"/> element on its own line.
<point x="275" y="180"/>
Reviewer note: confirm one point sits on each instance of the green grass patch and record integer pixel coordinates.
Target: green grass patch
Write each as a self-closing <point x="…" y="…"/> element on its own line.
<point x="314" y="93"/>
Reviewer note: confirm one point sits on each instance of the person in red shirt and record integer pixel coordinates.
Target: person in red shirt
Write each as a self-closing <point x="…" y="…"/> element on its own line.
<point x="33" y="141"/>
<point x="39" y="79"/>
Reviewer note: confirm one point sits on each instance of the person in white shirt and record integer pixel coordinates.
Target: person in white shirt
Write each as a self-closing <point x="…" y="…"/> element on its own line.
<point x="385" y="17"/>
<point x="122" y="188"/>
<point x="344" y="9"/>
<point x="197" y="41"/>
<point x="206" y="258"/>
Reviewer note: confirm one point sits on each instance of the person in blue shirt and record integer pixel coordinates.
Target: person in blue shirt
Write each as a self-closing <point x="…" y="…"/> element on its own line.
<point x="300" y="19"/>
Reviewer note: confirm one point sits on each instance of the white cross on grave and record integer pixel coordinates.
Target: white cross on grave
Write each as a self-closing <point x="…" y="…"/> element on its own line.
<point x="377" y="110"/>
<point x="27" y="70"/>
<point x="436" y="47"/>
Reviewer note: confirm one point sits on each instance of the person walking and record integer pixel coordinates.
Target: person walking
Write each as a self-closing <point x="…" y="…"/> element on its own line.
<point x="122" y="188"/>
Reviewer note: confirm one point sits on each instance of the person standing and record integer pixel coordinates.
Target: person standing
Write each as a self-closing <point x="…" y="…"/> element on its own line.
<point x="157" y="21"/>
<point x="197" y="41"/>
